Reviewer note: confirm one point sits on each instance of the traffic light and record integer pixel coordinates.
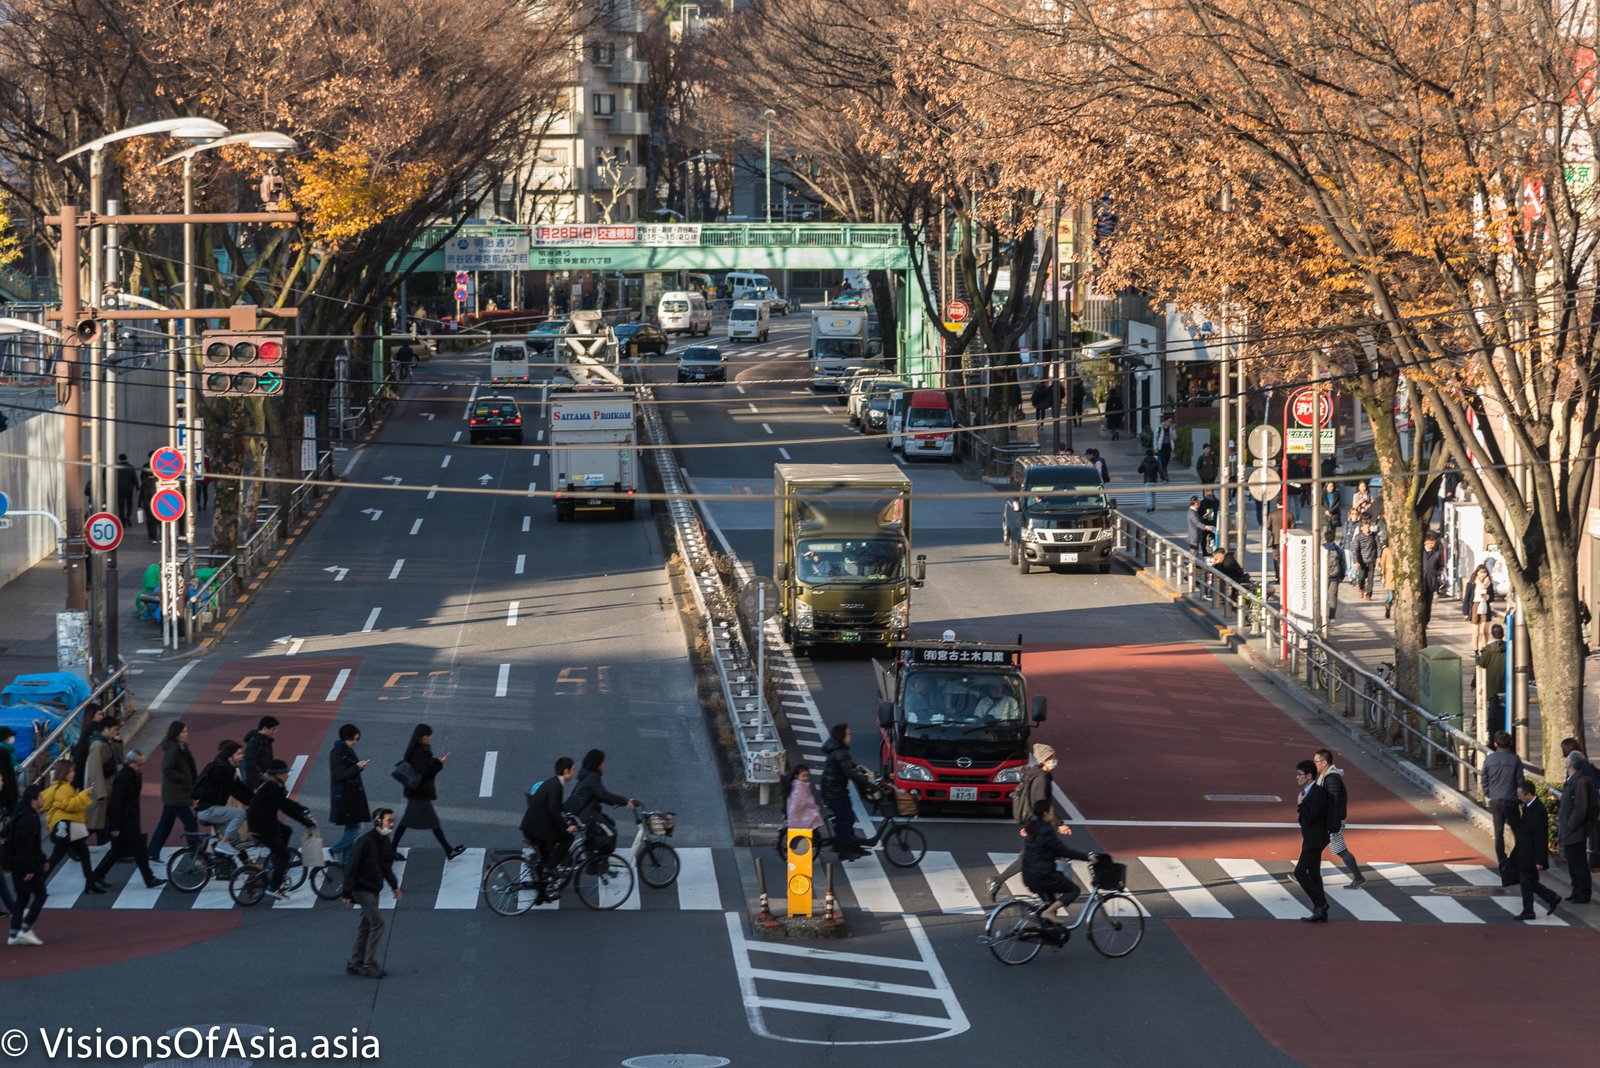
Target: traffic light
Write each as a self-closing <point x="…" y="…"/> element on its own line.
<point x="241" y="363"/>
<point x="800" y="855"/>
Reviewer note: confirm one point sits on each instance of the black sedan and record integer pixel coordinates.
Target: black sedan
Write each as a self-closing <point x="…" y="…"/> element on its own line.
<point x="640" y="339"/>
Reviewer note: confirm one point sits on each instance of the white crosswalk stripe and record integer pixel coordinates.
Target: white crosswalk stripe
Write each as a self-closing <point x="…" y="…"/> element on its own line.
<point x="1185" y="889"/>
<point x="697" y="881"/>
<point x="460" y="883"/>
<point x="949" y="884"/>
<point x="1359" y="903"/>
<point x="1266" y="889"/>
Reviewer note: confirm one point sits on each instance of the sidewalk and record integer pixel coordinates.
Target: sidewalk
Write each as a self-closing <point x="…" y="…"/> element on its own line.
<point x="1360" y="631"/>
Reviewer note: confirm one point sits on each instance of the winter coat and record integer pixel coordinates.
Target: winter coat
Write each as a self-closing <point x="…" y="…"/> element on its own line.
<point x="1197" y="526"/>
<point x="1469" y="596"/>
<point x="349" y="793"/>
<point x="99" y="768"/>
<point x="1206" y="467"/>
<point x="1045" y="846"/>
<point x="9" y="794"/>
<point x="1150" y="468"/>
<point x="27" y="844"/>
<point x="803" y="810"/>
<point x="588" y="794"/>
<point x="1036" y="785"/>
<point x="1432" y="570"/>
<point x="1364" y="546"/>
<point x="217" y="783"/>
<point x="1576" y="811"/>
<point x="177" y="773"/>
<point x="838" y="768"/>
<point x="269" y="800"/>
<point x="371" y="865"/>
<point x="422" y="761"/>
<point x="1338" y="798"/>
<point x="122" y="810"/>
<point x="63" y="801"/>
<point x="257" y="758"/>
<point x="542" y="821"/>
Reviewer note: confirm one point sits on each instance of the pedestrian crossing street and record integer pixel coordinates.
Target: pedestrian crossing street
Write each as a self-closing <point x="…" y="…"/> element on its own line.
<point x="1165" y="887"/>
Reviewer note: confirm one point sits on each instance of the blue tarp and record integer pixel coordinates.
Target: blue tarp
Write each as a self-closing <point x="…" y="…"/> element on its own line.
<point x="35" y="705"/>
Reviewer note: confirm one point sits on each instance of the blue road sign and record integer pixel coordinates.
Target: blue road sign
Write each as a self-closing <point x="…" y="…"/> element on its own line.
<point x="5" y="504"/>
<point x="167" y="464"/>
<point x="167" y="506"/>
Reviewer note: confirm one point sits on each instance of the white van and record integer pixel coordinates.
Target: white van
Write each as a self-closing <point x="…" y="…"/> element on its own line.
<point x="746" y="284"/>
<point x="508" y="363"/>
<point x="749" y="319"/>
<point x="684" y="312"/>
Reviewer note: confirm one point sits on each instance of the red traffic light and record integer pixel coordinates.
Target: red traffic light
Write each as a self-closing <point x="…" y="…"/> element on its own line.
<point x="269" y="352"/>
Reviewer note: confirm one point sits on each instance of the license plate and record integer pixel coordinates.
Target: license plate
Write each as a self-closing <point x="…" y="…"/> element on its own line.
<point x="1069" y="558"/>
<point x="963" y="793"/>
<point x="849" y="636"/>
<point x="494" y="422"/>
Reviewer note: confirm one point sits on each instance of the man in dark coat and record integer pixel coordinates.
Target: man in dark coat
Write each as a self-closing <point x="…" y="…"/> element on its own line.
<point x="349" y="793"/>
<point x="1531" y="854"/>
<point x="1046" y="398"/>
<point x="838" y="768"/>
<point x="147" y="493"/>
<point x="1574" y="817"/>
<point x="1314" y="814"/>
<point x="1365" y="548"/>
<point x="1331" y="778"/>
<point x="1080" y="394"/>
<point x="24" y="857"/>
<point x="258" y="751"/>
<point x="371" y="865"/>
<point x="1432" y="575"/>
<point x="9" y="794"/>
<point x="123" y="821"/>
<point x="127" y="488"/>
<point x="1198" y="527"/>
<point x="1205" y="465"/>
<point x="268" y="801"/>
<point x="1166" y="437"/>
<point x="1038" y="784"/>
<point x="544" y="824"/>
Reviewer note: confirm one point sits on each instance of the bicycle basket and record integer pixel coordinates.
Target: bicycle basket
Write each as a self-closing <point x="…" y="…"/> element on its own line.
<point x="660" y="823"/>
<point x="601" y="837"/>
<point x="1109" y="875"/>
<point x="905" y="803"/>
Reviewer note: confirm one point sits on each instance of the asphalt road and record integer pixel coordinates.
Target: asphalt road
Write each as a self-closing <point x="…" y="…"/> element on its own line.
<point x="520" y="640"/>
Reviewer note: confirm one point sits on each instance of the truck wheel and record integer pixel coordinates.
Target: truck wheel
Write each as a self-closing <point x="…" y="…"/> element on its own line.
<point x="1022" y="564"/>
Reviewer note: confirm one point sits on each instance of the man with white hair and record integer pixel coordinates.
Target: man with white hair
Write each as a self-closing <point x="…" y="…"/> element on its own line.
<point x="1574" y="816"/>
<point x="1038" y="784"/>
<point x="123" y="821"/>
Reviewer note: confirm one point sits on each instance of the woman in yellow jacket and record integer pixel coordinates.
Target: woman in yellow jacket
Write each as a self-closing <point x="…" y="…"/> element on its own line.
<point x="65" y="804"/>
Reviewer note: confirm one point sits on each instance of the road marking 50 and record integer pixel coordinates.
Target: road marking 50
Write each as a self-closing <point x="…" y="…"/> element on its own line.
<point x="286" y="689"/>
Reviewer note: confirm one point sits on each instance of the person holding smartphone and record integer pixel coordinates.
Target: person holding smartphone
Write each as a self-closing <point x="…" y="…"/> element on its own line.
<point x="419" y="812"/>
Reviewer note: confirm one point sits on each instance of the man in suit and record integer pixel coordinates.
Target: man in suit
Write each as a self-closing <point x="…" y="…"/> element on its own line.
<point x="1315" y="813"/>
<point x="123" y="821"/>
<point x="1531" y="855"/>
<point x="1574" y="817"/>
<point x="544" y="824"/>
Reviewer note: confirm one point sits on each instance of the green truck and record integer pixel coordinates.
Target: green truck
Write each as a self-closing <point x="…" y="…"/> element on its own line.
<point x="841" y="553"/>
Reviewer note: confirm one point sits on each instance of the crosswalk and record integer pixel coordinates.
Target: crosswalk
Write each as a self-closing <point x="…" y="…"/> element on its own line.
<point x="943" y="884"/>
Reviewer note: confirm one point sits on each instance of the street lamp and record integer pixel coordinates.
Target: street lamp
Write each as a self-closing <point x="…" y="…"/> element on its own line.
<point x="701" y="157"/>
<point x="769" y="115"/>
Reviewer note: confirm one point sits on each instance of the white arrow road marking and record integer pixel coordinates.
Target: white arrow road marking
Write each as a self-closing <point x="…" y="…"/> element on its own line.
<point x="375" y="513"/>
<point x="372" y="621"/>
<point x="394" y="572"/>
<point x="428" y="416"/>
<point x="338" y="573"/>
<point x="392" y="478"/>
<point x="503" y="681"/>
<point x="484" y="480"/>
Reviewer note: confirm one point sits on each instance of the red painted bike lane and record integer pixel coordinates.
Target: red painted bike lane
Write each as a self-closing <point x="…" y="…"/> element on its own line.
<point x="305" y="695"/>
<point x="1167" y="752"/>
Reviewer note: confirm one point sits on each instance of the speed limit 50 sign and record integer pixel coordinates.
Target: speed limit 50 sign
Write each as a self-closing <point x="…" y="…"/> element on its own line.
<point x="103" y="532"/>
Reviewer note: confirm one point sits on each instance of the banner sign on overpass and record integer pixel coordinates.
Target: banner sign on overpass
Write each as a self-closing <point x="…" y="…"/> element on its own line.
<point x="617" y="235"/>
<point x="503" y="251"/>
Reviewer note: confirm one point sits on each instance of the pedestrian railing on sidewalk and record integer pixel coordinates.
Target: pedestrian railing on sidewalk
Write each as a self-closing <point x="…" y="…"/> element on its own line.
<point x="111" y="696"/>
<point x="1342" y="684"/>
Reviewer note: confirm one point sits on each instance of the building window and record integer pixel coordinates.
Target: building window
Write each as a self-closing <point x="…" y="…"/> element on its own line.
<point x="605" y="53"/>
<point x="605" y="103"/>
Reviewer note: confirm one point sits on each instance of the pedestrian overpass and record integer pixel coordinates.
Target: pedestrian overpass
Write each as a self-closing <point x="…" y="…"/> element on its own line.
<point x="633" y="248"/>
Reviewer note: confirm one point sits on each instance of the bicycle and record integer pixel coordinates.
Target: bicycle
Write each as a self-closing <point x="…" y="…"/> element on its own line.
<point x="657" y="861"/>
<point x="191" y="868"/>
<point x="904" y="846"/>
<point x="1016" y="929"/>
<point x="603" y="880"/>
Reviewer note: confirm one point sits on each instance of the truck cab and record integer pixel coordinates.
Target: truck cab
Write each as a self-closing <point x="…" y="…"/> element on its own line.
<point x="954" y="720"/>
<point x="1058" y="514"/>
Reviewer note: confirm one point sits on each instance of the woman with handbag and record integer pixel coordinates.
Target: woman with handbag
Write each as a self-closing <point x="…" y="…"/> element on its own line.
<point x="64" y="808"/>
<point x="416" y="772"/>
<point x="99" y="768"/>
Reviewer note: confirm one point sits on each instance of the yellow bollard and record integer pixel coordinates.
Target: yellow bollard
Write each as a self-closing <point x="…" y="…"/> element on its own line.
<point x="800" y="886"/>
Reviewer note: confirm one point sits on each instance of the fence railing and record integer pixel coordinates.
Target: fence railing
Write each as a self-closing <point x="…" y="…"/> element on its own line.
<point x="1350" y="689"/>
<point x="110" y="696"/>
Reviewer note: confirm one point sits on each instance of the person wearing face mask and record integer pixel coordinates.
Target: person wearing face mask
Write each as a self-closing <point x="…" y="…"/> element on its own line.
<point x="371" y="865"/>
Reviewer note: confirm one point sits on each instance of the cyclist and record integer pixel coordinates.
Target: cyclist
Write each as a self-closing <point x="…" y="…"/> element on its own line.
<point x="271" y="798"/>
<point x="216" y="784"/>
<point x="590" y="794"/>
<point x="1039" y="872"/>
<point x="544" y="825"/>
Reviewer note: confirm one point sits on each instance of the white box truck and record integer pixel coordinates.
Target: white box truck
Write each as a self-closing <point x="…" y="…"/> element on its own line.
<point x="594" y="452"/>
<point x="838" y="347"/>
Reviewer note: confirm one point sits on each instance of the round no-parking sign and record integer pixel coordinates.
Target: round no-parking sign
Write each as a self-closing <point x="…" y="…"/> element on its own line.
<point x="167" y="506"/>
<point x="103" y="532"/>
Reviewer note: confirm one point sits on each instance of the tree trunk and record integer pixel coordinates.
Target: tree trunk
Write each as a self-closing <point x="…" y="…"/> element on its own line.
<point x="1556" y="643"/>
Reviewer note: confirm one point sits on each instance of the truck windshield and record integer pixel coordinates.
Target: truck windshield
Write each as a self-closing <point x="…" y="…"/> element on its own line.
<point x="860" y="561"/>
<point x="1045" y="498"/>
<point x="838" y="348"/>
<point x="941" y="703"/>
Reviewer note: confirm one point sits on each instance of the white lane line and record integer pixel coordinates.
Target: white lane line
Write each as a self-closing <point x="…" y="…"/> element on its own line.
<point x="1184" y="888"/>
<point x="416" y="526"/>
<point x="462" y="879"/>
<point x="294" y="646"/>
<point x="486" y="781"/>
<point x="522" y="563"/>
<point x="767" y="427"/>
<point x="539" y="436"/>
<point x="446" y="461"/>
<point x="431" y="491"/>
<point x="533" y="487"/>
<point x="511" y="613"/>
<point x="753" y="409"/>
<point x="697" y="881"/>
<point x="871" y="886"/>
<point x="503" y="681"/>
<point x="394" y="572"/>
<point x="948" y="883"/>
<point x="172" y="684"/>
<point x="338" y="685"/>
<point x="144" y="652"/>
<point x="527" y="519"/>
<point x="1359" y="903"/>
<point x="1446" y="909"/>
<point x="372" y="621"/>
<point x="352" y="463"/>
<point x="740" y="389"/>
<point x="1269" y="893"/>
<point x="1476" y="874"/>
<point x="537" y="457"/>
<point x="783" y="453"/>
<point x="455" y="438"/>
<point x="295" y="769"/>
<point x="1073" y="815"/>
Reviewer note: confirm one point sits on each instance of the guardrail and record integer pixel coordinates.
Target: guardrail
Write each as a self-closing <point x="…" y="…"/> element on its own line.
<point x="1346" y="687"/>
<point x="716" y="605"/>
<point x="110" y="695"/>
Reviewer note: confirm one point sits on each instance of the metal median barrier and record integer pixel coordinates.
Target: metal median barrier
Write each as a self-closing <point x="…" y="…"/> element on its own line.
<point x="1345" y="687"/>
<point x="110" y="696"/>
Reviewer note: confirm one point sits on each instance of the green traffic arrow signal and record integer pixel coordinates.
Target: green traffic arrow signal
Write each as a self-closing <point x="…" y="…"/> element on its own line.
<point x="271" y="383"/>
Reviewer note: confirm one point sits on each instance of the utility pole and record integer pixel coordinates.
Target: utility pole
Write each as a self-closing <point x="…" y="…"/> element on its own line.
<point x="69" y="389"/>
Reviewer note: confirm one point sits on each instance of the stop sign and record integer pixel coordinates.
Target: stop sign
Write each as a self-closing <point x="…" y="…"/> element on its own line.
<point x="1304" y="406"/>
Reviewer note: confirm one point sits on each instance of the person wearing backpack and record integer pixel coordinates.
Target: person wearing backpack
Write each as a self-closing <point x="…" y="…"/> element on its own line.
<point x="1038" y="784"/>
<point x="1333" y="560"/>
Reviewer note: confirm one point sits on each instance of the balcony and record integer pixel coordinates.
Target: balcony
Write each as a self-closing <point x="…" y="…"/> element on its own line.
<point x="630" y="124"/>
<point x="628" y="72"/>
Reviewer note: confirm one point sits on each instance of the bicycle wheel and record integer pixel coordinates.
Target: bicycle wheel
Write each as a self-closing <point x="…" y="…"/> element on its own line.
<point x="904" y="846"/>
<point x="603" y="883"/>
<point x="295" y="876"/>
<point x="328" y="880"/>
<point x="1116" y="927"/>
<point x="509" y="887"/>
<point x="248" y="885"/>
<point x="658" y="865"/>
<point x="1012" y="932"/>
<point x="188" y="871"/>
